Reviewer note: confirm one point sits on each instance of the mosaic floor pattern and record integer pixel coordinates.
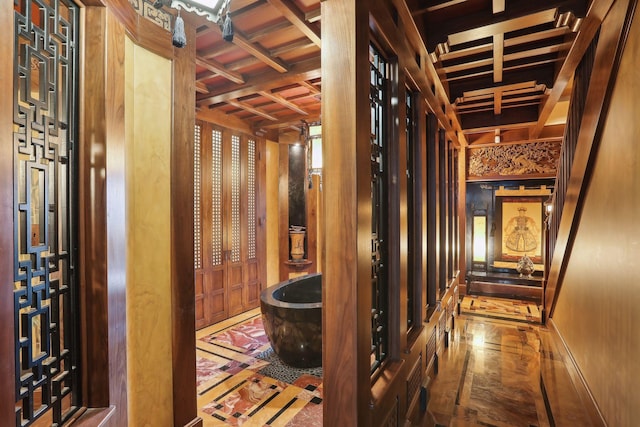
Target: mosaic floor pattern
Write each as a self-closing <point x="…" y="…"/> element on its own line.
<point x="241" y="381"/>
<point x="501" y="308"/>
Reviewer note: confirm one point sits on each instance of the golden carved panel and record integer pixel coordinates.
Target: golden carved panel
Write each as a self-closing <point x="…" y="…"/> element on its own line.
<point x="514" y="160"/>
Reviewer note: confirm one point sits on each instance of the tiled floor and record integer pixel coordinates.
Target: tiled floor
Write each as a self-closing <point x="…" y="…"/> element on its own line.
<point x="502" y="308"/>
<point x="240" y="381"/>
<point x="490" y="375"/>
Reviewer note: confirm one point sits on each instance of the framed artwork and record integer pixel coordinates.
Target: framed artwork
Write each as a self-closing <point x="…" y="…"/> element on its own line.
<point x="521" y="228"/>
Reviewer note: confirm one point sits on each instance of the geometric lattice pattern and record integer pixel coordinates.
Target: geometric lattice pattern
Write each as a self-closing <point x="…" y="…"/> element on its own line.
<point x="251" y="195"/>
<point x="45" y="294"/>
<point x="380" y="302"/>
<point x="235" y="198"/>
<point x="216" y="197"/>
<point x="197" y="202"/>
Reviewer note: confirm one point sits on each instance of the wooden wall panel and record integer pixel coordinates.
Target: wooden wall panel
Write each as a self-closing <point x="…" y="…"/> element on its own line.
<point x="597" y="309"/>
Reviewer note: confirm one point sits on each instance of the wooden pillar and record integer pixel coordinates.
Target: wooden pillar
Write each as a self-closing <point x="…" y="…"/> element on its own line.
<point x="347" y="193"/>
<point x="182" y="220"/>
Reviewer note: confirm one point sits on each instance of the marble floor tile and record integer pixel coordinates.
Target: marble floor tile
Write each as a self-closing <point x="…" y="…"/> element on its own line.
<point x="496" y="371"/>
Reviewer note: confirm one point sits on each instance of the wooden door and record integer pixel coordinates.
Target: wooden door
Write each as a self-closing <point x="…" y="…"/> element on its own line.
<point x="226" y="235"/>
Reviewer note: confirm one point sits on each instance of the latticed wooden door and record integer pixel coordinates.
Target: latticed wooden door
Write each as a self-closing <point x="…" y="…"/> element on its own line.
<point x="226" y="231"/>
<point x="45" y="241"/>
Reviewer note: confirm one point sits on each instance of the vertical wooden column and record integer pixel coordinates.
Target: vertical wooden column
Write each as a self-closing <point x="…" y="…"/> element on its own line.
<point x="7" y="374"/>
<point x="114" y="217"/>
<point x="92" y="212"/>
<point x="462" y="218"/>
<point x="347" y="192"/>
<point x="182" y="250"/>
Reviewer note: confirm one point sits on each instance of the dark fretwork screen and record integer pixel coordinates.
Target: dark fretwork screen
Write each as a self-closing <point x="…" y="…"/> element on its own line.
<point x="45" y="295"/>
<point x="380" y="299"/>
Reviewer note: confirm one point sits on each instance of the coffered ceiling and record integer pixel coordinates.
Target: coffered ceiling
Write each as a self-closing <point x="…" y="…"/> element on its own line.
<point x="506" y="65"/>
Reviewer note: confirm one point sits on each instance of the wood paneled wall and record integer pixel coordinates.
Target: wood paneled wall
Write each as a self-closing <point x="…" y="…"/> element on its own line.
<point x="598" y="296"/>
<point x="389" y="398"/>
<point x="102" y="219"/>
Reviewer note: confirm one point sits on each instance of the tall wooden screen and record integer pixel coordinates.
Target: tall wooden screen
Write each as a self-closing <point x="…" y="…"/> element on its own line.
<point x="45" y="288"/>
<point x="379" y="291"/>
<point x="226" y="230"/>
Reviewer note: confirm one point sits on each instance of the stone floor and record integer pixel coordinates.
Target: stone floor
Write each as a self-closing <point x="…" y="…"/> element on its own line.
<point x="490" y="375"/>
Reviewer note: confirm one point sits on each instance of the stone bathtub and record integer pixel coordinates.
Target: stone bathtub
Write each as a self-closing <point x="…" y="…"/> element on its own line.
<point x="292" y="318"/>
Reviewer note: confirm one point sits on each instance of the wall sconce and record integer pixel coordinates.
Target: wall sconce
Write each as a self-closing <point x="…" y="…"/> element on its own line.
<point x="548" y="210"/>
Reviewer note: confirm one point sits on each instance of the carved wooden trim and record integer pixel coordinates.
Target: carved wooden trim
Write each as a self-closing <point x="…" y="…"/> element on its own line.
<point x="511" y="161"/>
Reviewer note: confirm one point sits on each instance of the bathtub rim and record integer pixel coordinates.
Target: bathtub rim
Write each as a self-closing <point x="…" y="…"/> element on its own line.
<point x="266" y="295"/>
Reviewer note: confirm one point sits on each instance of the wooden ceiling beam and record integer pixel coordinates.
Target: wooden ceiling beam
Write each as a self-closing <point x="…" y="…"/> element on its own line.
<point x="537" y="36"/>
<point x="435" y="7"/>
<point x="218" y="68"/>
<point x="251" y="60"/>
<point x="498" y="59"/>
<point x="255" y="36"/>
<point x="563" y="47"/>
<point x="201" y="87"/>
<point x="487" y="102"/>
<point x="590" y="25"/>
<point x="504" y="88"/>
<point x="541" y="74"/>
<point x="425" y="73"/>
<point x="240" y="40"/>
<point x="294" y="15"/>
<point x="246" y="107"/>
<point x="461" y="23"/>
<point x="312" y="88"/>
<point x="509" y="116"/>
<point x="510" y="25"/>
<point x="283" y="101"/>
<point x="268" y="80"/>
<point x="313" y="15"/>
<point x="285" y="122"/>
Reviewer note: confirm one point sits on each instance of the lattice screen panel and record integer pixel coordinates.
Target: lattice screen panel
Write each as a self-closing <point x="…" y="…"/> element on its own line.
<point x="216" y="197"/>
<point x="236" y="180"/>
<point x="251" y="203"/>
<point x="380" y="301"/>
<point x="197" y="201"/>
<point x="45" y="294"/>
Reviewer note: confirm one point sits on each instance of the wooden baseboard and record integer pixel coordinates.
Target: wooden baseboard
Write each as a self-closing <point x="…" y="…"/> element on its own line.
<point x="582" y="388"/>
<point x="196" y="422"/>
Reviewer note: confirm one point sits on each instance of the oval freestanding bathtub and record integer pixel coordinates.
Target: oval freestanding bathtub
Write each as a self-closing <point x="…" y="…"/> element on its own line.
<point x="292" y="318"/>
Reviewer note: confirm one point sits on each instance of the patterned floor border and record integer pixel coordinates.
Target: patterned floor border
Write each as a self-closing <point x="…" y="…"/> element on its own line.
<point x="241" y="381"/>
